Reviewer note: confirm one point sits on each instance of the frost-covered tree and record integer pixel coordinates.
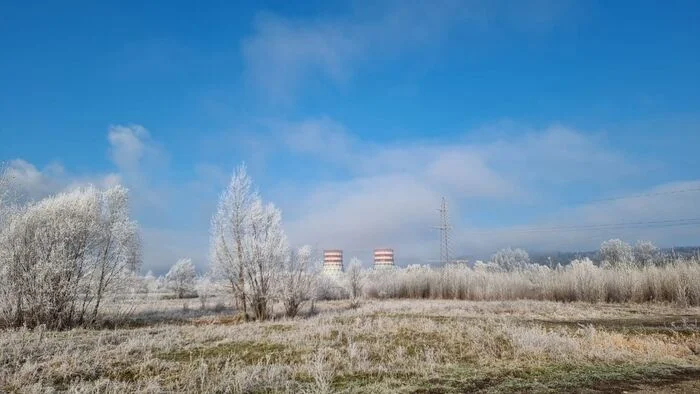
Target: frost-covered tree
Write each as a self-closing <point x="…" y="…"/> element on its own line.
<point x="150" y="282"/>
<point x="181" y="277"/>
<point x="60" y="256"/>
<point x="265" y="250"/>
<point x="229" y="227"/>
<point x="509" y="259"/>
<point x="354" y="278"/>
<point x="480" y="266"/>
<point x="4" y="184"/>
<point x="645" y="253"/>
<point x="616" y="252"/>
<point x="7" y="208"/>
<point x="118" y="244"/>
<point x="299" y="279"/>
<point x="248" y="245"/>
<point x="205" y="287"/>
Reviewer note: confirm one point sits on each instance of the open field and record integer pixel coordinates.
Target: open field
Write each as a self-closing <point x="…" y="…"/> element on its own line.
<point x="424" y="346"/>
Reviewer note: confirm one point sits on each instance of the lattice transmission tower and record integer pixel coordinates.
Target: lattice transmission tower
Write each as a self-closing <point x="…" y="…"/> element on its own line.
<point x="445" y="237"/>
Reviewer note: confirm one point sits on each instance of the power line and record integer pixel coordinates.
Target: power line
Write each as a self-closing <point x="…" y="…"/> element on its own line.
<point x="643" y="195"/>
<point x="605" y="226"/>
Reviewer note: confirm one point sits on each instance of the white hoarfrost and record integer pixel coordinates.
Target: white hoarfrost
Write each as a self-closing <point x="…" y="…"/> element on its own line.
<point x="645" y="253"/>
<point x="7" y="205"/>
<point x="248" y="245"/>
<point x="354" y="278"/>
<point x="60" y="256"/>
<point x="616" y="252"/>
<point x="229" y="227"/>
<point x="511" y="259"/>
<point x="265" y="249"/>
<point x="181" y="278"/>
<point x="300" y="279"/>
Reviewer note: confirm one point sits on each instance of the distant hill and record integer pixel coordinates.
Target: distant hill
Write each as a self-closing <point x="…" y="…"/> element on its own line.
<point x="553" y="258"/>
<point x="563" y="258"/>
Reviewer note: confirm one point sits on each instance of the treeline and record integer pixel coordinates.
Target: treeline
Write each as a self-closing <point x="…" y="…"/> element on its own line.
<point x="582" y="280"/>
<point x="625" y="273"/>
<point x="564" y="258"/>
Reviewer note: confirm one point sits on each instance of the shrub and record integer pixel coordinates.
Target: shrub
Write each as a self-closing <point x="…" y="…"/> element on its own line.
<point x="60" y="257"/>
<point x="511" y="259"/>
<point x="299" y="279"/>
<point x="616" y="252"/>
<point x="645" y="253"/>
<point x="677" y="282"/>
<point x="181" y="278"/>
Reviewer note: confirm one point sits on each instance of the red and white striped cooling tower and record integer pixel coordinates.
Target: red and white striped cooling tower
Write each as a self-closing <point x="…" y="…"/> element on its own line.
<point x="383" y="258"/>
<point x="332" y="260"/>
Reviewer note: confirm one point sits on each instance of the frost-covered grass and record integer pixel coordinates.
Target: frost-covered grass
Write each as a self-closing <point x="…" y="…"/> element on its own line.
<point x="381" y="346"/>
<point x="676" y="281"/>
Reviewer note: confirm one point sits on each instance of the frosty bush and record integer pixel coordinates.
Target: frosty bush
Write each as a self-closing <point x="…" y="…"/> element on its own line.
<point x="645" y="253"/>
<point x="330" y="288"/>
<point x="616" y="252"/>
<point x="150" y="283"/>
<point x="511" y="259"/>
<point x="59" y="257"/>
<point x="299" y="279"/>
<point x="677" y="282"/>
<point x="354" y="278"/>
<point x="181" y="278"/>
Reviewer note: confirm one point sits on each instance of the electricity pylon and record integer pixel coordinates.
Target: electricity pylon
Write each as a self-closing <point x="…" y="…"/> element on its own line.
<point x="445" y="238"/>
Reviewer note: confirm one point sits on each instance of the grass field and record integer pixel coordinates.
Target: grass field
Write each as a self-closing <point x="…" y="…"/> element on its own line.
<point x="420" y="346"/>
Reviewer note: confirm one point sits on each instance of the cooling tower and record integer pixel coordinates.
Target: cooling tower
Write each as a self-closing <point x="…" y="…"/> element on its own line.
<point x="332" y="260"/>
<point x="383" y="258"/>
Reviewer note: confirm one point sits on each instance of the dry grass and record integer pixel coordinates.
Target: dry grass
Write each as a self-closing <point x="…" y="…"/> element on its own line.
<point x="677" y="282"/>
<point x="382" y="346"/>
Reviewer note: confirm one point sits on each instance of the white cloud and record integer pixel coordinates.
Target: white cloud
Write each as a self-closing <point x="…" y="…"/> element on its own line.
<point x="384" y="210"/>
<point x="130" y="149"/>
<point x="466" y="173"/>
<point x="137" y="159"/>
<point x="391" y="192"/>
<point x="164" y="246"/>
<point x="282" y="53"/>
<point x="563" y="229"/>
<point x="320" y="137"/>
<point x="141" y="165"/>
<point x="129" y="146"/>
<point x="387" y="194"/>
<point x="576" y="156"/>
<point x="32" y="183"/>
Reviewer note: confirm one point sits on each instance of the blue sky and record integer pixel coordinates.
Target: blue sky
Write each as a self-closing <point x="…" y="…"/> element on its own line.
<point x="356" y="117"/>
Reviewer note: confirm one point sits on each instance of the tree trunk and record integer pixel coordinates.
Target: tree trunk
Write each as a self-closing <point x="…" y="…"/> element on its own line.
<point x="241" y="278"/>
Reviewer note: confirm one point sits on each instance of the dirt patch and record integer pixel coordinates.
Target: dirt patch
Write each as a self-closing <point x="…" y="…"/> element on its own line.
<point x="220" y="320"/>
<point x="248" y="352"/>
<point x="359" y="380"/>
<point x="564" y="378"/>
<point x="678" y="325"/>
<point x="681" y="377"/>
<point x="279" y="327"/>
<point x="685" y="387"/>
